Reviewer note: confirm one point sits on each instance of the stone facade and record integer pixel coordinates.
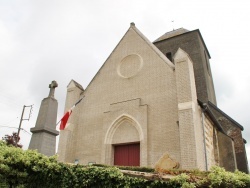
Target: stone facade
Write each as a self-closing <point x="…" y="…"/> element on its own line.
<point x="234" y="130"/>
<point x="66" y="145"/>
<point x="141" y="96"/>
<point x="210" y="141"/>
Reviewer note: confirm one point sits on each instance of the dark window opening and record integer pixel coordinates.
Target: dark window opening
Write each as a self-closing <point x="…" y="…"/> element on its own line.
<point x="169" y="56"/>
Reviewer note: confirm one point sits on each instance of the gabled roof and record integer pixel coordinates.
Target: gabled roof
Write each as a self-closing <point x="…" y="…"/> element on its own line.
<point x="225" y="115"/>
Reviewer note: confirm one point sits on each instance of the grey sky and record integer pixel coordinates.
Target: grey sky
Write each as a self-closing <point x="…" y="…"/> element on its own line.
<point x="43" y="40"/>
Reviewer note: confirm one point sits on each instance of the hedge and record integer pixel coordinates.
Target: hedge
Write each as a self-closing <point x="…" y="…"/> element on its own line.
<point x="19" y="168"/>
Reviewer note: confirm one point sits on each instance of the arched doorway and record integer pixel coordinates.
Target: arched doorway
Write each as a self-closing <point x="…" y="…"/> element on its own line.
<point x="123" y="142"/>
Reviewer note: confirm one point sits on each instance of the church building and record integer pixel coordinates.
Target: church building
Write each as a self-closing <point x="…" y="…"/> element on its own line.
<point x="152" y="104"/>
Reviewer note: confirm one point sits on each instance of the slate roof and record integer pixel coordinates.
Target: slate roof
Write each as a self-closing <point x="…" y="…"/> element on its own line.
<point x="171" y="34"/>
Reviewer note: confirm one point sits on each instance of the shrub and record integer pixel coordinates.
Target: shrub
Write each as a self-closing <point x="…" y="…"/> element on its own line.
<point x="19" y="168"/>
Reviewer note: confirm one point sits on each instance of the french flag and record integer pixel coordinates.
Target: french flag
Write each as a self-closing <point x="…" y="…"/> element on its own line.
<point x="65" y="118"/>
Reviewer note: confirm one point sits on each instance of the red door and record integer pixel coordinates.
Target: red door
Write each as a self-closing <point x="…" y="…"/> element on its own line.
<point x="127" y="155"/>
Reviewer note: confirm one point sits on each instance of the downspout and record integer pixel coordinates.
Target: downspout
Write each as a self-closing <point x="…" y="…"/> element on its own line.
<point x="204" y="137"/>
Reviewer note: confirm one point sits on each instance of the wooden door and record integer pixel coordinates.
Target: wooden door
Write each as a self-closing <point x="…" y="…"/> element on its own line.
<point x="127" y="155"/>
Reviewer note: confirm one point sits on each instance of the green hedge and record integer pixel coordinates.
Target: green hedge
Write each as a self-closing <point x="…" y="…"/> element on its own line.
<point x="19" y="168"/>
<point x="29" y="169"/>
<point x="132" y="168"/>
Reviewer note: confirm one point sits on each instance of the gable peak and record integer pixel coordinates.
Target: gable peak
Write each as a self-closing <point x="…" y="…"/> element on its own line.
<point x="181" y="54"/>
<point x="73" y="83"/>
<point x="171" y="34"/>
<point x="152" y="46"/>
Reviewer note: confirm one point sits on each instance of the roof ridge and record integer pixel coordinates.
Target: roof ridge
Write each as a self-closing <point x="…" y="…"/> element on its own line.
<point x="171" y="34"/>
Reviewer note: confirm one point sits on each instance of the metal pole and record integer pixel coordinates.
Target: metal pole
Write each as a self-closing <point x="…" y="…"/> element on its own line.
<point x="20" y="124"/>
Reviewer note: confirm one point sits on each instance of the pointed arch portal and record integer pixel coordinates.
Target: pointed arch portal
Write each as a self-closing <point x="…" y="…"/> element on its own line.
<point x="122" y="142"/>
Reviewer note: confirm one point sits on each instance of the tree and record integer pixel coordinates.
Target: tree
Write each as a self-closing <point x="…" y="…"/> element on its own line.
<point x="12" y="140"/>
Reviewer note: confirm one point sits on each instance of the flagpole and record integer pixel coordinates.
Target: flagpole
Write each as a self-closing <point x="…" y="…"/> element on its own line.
<point x="71" y="108"/>
<point x="58" y="122"/>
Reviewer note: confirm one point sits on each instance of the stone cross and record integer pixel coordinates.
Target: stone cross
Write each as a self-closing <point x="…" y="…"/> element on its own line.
<point x="52" y="87"/>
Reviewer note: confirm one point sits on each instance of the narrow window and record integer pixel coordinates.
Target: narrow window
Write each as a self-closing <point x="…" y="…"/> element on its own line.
<point x="169" y="56"/>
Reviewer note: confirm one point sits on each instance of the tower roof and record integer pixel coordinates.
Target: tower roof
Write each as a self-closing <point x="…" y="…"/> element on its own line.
<point x="171" y="34"/>
<point x="180" y="31"/>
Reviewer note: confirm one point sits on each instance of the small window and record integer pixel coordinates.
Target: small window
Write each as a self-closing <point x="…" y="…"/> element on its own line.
<point x="169" y="56"/>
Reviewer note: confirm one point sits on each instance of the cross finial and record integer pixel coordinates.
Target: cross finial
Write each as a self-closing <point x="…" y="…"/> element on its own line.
<point x="52" y="87"/>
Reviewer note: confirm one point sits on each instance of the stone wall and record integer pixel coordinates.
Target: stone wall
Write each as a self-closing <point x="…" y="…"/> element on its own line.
<point x="67" y="140"/>
<point x="233" y="130"/>
<point x="191" y="137"/>
<point x="211" y="143"/>
<point x="192" y="43"/>
<point x="226" y="152"/>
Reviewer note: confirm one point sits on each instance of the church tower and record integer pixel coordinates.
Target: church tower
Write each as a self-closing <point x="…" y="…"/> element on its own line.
<point x="44" y="133"/>
<point x="192" y="43"/>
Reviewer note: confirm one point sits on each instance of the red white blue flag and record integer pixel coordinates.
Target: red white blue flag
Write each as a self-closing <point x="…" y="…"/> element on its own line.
<point x="65" y="118"/>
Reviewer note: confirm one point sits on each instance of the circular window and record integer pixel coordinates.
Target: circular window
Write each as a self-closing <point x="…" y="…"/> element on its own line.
<point x="129" y="66"/>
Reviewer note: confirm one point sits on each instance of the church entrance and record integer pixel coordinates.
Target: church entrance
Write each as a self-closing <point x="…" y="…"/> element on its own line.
<point x="127" y="155"/>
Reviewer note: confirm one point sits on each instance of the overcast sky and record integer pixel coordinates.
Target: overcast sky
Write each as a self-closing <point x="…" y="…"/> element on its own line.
<point x="45" y="40"/>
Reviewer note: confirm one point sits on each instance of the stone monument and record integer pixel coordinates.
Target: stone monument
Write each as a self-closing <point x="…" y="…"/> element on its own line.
<point x="44" y="133"/>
